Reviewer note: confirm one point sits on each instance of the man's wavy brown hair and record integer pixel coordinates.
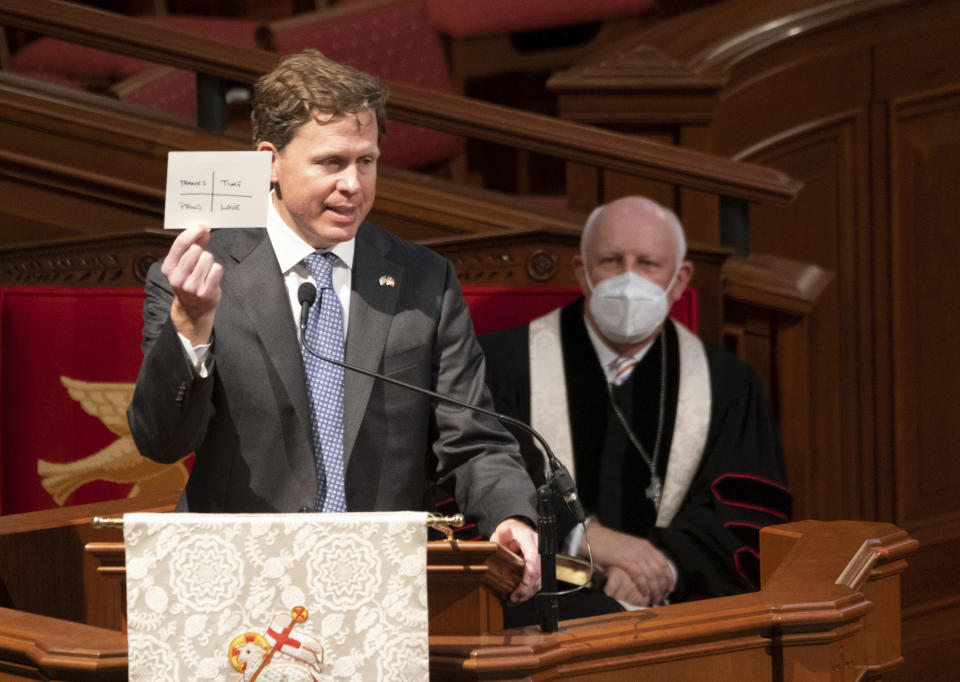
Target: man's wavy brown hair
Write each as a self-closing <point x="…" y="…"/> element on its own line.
<point x="308" y="85"/>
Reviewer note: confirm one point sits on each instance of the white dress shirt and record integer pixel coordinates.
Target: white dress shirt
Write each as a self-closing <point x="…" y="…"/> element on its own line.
<point x="290" y="250"/>
<point x="606" y="355"/>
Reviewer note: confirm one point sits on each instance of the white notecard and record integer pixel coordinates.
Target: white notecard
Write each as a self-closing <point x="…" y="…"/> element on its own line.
<point x="219" y="189"/>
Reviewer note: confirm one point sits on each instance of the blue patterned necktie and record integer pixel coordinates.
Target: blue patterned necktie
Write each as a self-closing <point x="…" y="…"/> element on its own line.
<point x="324" y="332"/>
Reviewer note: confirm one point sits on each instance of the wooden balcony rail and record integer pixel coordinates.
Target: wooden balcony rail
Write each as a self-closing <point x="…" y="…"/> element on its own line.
<point x="446" y="112"/>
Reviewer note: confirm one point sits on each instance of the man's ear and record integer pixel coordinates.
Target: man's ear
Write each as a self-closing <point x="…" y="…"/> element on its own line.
<point x="684" y="276"/>
<point x="579" y="271"/>
<point x="274" y="159"/>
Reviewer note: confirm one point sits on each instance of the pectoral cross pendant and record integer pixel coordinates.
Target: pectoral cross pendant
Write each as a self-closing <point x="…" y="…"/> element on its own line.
<point x="654" y="490"/>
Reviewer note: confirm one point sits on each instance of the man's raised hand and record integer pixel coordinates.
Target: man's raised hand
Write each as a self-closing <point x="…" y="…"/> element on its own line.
<point x="195" y="278"/>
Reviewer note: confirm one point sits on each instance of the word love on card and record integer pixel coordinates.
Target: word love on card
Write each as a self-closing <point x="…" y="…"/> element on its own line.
<point x="219" y="189"/>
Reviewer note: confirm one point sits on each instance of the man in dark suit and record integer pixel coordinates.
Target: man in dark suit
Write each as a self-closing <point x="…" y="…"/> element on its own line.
<point x="224" y="369"/>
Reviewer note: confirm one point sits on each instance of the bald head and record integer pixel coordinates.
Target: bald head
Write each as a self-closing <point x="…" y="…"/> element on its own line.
<point x="635" y="235"/>
<point x="639" y="220"/>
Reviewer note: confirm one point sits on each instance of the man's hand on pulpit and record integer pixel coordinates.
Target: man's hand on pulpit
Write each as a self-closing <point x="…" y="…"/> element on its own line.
<point x="518" y="537"/>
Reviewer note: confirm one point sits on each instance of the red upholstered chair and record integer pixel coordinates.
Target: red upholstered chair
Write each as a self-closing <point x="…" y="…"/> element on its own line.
<point x="482" y="36"/>
<point x="57" y="61"/>
<point x="493" y="308"/>
<point x="133" y="80"/>
<point x="68" y="360"/>
<point x="391" y="39"/>
<point x="175" y="90"/>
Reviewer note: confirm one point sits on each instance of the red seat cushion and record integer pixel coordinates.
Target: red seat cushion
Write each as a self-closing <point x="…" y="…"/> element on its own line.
<point x="397" y="42"/>
<point x="73" y="63"/>
<point x="99" y="68"/>
<point x="175" y="91"/>
<point x="468" y="18"/>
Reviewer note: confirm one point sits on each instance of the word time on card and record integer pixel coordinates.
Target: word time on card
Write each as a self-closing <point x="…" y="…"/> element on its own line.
<point x="219" y="189"/>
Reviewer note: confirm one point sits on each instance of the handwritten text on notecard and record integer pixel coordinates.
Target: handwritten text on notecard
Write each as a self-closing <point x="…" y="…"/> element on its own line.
<point x="219" y="189"/>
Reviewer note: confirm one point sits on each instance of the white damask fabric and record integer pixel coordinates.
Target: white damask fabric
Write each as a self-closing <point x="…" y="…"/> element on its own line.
<point x="277" y="598"/>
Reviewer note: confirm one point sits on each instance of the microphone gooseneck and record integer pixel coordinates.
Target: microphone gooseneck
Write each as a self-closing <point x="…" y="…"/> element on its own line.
<point x="557" y="478"/>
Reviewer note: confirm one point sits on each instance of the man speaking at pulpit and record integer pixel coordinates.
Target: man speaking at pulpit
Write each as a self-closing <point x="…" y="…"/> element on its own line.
<point x="275" y="428"/>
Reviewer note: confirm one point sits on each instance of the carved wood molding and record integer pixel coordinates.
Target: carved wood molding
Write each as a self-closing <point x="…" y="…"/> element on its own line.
<point x="543" y="256"/>
<point x="520" y="258"/>
<point x="771" y="282"/>
<point x="119" y="260"/>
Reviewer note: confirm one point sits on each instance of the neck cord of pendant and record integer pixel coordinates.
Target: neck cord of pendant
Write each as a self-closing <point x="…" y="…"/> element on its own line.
<point x="654" y="491"/>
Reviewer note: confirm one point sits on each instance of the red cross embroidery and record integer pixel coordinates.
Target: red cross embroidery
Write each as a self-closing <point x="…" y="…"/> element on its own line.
<point x="298" y="613"/>
<point x="283" y="639"/>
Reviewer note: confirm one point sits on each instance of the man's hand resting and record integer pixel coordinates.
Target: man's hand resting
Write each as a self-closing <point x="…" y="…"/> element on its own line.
<point x="645" y="565"/>
<point x="518" y="537"/>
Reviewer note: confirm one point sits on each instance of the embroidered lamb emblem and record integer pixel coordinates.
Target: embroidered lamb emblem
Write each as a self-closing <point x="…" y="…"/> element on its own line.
<point x="279" y="654"/>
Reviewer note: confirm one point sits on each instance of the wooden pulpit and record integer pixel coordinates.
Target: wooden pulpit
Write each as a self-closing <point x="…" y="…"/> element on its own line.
<point x="829" y="609"/>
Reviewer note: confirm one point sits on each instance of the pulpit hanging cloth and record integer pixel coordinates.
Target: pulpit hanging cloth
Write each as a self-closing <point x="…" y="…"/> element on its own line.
<point x="237" y="597"/>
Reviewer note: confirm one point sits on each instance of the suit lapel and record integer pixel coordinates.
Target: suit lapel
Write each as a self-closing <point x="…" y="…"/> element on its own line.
<point x="257" y="283"/>
<point x="372" y="305"/>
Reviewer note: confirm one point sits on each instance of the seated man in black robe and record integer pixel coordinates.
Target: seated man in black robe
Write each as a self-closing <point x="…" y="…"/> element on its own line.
<point x="672" y="443"/>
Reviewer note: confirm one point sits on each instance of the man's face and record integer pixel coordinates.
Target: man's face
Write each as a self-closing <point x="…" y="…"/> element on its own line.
<point x="326" y="177"/>
<point x="622" y="241"/>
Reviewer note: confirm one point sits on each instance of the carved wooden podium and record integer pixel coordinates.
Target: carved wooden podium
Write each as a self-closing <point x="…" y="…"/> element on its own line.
<point x="829" y="609"/>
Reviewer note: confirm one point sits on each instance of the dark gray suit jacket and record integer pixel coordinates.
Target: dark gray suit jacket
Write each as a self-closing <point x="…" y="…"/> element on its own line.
<point x="249" y="421"/>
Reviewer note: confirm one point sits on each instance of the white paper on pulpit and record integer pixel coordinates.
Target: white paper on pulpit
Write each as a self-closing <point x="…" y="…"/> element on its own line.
<point x="294" y="596"/>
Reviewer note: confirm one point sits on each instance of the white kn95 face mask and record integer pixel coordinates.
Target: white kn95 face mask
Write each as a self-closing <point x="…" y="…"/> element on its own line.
<point x="628" y="308"/>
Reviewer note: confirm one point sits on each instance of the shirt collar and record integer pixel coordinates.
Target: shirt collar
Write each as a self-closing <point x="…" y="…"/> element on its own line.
<point x="606" y="355"/>
<point x="291" y="249"/>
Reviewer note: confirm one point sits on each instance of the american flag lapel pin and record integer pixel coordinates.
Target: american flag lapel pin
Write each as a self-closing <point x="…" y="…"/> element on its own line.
<point x="387" y="281"/>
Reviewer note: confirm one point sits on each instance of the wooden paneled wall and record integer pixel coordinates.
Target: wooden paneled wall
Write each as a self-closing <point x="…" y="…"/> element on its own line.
<point x="860" y="101"/>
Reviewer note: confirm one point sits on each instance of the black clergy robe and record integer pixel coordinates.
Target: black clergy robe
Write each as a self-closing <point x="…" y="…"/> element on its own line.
<point x="738" y="487"/>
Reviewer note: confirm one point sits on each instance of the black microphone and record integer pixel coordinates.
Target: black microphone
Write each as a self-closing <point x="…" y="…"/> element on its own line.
<point x="556" y="476"/>
<point x="306" y="294"/>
